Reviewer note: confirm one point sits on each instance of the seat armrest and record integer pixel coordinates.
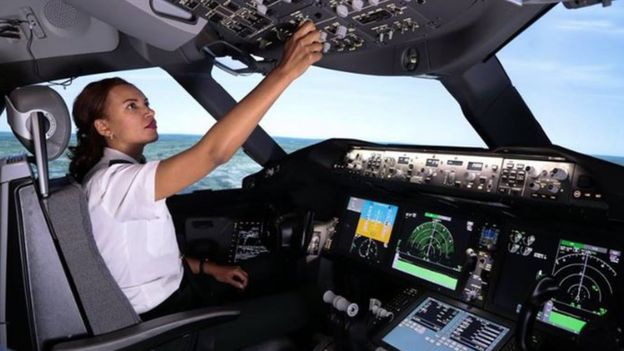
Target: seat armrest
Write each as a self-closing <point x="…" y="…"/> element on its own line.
<point x="152" y="333"/>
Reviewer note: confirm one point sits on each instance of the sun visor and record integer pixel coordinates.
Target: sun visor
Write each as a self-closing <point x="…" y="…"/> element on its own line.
<point x="155" y="22"/>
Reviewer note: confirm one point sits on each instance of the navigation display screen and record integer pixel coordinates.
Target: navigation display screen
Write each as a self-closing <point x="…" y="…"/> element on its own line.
<point x="586" y="275"/>
<point x="432" y="246"/>
<point x="372" y="222"/>
<point x="435" y="325"/>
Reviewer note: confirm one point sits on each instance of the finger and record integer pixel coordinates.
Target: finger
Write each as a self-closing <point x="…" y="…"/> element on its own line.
<point x="312" y="37"/>
<point x="234" y="282"/>
<point x="314" y="57"/>
<point x="241" y="278"/>
<point x="236" y="279"/>
<point x="303" y="30"/>
<point x="315" y="47"/>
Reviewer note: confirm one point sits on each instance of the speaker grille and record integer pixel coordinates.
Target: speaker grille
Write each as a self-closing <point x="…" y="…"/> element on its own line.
<point x="60" y="14"/>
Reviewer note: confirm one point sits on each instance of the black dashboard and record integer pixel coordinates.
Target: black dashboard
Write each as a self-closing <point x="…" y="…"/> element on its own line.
<point x="452" y="241"/>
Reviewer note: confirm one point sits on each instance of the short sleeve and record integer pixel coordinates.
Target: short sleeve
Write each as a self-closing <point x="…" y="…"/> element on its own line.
<point x="126" y="191"/>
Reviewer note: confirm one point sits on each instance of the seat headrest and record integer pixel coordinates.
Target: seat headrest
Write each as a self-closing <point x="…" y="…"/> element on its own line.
<point x="23" y="104"/>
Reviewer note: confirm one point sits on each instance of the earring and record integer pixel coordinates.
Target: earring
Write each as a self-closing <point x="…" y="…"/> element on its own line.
<point x="111" y="136"/>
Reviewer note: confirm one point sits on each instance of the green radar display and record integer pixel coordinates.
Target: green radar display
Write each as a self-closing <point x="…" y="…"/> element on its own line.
<point x="587" y="276"/>
<point x="432" y="242"/>
<point x="432" y="247"/>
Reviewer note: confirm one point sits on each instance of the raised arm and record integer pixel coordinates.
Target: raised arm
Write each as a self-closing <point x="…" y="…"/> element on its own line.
<point x="225" y="137"/>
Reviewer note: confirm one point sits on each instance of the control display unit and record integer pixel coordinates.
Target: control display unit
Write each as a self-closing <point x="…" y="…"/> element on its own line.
<point x="246" y="241"/>
<point x="371" y="223"/>
<point x="431" y="246"/>
<point x="435" y="325"/>
<point x="586" y="275"/>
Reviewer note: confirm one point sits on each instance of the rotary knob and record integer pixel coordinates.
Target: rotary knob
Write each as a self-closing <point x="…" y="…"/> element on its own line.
<point x="531" y="172"/>
<point x="342" y="10"/>
<point x="341" y="32"/>
<point x="357" y="5"/>
<point x="553" y="188"/>
<point x="470" y="176"/>
<point x="534" y="186"/>
<point x="559" y="173"/>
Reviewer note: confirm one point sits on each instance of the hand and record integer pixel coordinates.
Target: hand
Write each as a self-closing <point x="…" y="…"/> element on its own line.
<point x="232" y="275"/>
<point x="302" y="49"/>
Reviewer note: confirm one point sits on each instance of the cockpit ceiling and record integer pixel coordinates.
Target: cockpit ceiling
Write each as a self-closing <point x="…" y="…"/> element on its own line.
<point x="387" y="37"/>
<point x="38" y="29"/>
<point x="384" y="37"/>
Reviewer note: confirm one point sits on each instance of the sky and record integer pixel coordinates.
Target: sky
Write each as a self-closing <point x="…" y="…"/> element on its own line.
<point x="566" y="66"/>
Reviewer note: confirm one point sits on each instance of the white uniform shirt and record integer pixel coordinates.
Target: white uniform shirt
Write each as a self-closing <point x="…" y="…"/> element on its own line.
<point x="134" y="233"/>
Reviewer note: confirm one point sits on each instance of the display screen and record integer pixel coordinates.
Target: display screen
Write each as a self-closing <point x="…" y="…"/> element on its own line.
<point x="432" y="246"/>
<point x="432" y="162"/>
<point x="586" y="275"/>
<point x="372" y="223"/>
<point x="246" y="241"/>
<point x="454" y="162"/>
<point x="435" y="325"/>
<point x="475" y="166"/>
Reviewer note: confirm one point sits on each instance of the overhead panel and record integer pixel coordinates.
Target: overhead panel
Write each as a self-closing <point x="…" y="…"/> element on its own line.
<point x="346" y="25"/>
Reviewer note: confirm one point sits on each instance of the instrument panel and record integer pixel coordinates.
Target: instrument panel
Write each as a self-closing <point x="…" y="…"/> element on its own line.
<point x="552" y="179"/>
<point x="475" y="227"/>
<point x="482" y="262"/>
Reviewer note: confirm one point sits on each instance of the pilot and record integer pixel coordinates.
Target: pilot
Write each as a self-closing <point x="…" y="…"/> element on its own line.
<point x="131" y="224"/>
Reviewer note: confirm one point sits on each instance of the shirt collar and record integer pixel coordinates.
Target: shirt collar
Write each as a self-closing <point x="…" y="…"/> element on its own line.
<point x="108" y="155"/>
<point x="113" y="154"/>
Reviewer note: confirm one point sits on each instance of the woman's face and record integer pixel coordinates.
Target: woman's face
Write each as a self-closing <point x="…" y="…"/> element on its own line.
<point x="128" y="120"/>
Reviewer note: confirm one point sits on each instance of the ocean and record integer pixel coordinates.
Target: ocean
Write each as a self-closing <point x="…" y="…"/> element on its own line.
<point x="227" y="176"/>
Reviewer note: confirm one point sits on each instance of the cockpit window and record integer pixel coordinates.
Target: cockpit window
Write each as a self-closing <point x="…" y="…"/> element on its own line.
<point x="181" y="122"/>
<point x="568" y="68"/>
<point x="324" y="104"/>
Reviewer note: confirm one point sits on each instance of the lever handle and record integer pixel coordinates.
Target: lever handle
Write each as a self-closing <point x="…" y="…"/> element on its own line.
<point x="544" y="289"/>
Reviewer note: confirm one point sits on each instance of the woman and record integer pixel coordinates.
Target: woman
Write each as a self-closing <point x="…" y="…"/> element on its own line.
<point x="131" y="223"/>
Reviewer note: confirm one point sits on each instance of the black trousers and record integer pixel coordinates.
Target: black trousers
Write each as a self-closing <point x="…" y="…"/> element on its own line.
<point x="264" y="315"/>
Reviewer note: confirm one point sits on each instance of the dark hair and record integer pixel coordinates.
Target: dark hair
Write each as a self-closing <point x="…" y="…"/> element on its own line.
<point x="89" y="106"/>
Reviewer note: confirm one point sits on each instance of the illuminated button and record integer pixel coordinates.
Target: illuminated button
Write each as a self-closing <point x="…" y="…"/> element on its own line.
<point x="577" y="194"/>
